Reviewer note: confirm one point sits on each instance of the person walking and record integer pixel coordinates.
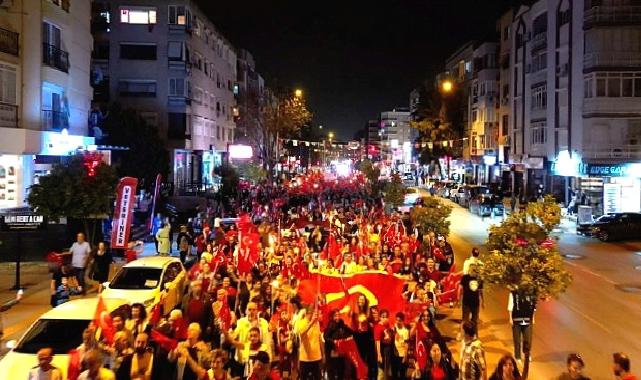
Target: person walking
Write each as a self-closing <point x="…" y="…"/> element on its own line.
<point x="470" y="294"/>
<point x="521" y="307"/>
<point x="309" y="349"/>
<point x="472" y="355"/>
<point x="80" y="254"/>
<point x="506" y="369"/>
<point x="184" y="242"/>
<point x="575" y="367"/>
<point x="621" y="366"/>
<point x="44" y="370"/>
<point x="164" y="243"/>
<point x="102" y="264"/>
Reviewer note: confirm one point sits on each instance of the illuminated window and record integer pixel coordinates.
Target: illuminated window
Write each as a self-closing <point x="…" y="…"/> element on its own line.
<point x="179" y="15"/>
<point x="138" y="15"/>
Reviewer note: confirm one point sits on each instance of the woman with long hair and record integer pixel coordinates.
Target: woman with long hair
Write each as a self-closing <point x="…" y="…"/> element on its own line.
<point x="506" y="369"/>
<point x="440" y="365"/>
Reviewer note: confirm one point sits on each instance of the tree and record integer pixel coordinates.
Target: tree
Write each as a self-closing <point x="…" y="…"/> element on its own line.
<point x="252" y="172"/>
<point x="523" y="258"/>
<point x="432" y="216"/>
<point x="229" y="183"/>
<point x="395" y="191"/>
<point x="280" y="115"/>
<point x="439" y="119"/>
<point x="372" y="174"/>
<point x="69" y="191"/>
<point x="147" y="155"/>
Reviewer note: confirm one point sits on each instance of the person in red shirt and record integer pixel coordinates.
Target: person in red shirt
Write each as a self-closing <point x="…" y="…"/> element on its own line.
<point x="384" y="340"/>
<point x="621" y="366"/>
<point x="439" y="365"/>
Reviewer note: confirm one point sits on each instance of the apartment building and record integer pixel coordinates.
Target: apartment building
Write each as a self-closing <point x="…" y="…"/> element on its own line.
<point x="458" y="69"/>
<point x="166" y="59"/>
<point x="504" y="32"/>
<point x="250" y="96"/>
<point x="397" y="138"/>
<point x="576" y="101"/>
<point x="45" y="94"/>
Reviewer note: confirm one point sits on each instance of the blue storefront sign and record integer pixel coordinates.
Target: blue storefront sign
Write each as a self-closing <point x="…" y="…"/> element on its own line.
<point x="612" y="170"/>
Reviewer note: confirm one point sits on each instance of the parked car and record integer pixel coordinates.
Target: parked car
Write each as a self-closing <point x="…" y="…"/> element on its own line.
<point x="408" y="179"/>
<point x="486" y="205"/>
<point x="457" y="192"/>
<point x="471" y="192"/>
<point x="617" y="226"/>
<point x="59" y="328"/>
<point x="145" y="279"/>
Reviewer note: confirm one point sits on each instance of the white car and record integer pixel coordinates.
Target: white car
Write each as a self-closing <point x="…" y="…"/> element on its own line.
<point x="146" y="279"/>
<point x="59" y="328"/>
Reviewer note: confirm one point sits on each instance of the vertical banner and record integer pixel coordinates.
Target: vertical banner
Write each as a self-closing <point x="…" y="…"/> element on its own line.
<point x="150" y="226"/>
<point x="123" y="212"/>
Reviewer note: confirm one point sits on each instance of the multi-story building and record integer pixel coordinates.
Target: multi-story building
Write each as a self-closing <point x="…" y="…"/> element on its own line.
<point x="45" y="94"/>
<point x="576" y="101"/>
<point x="397" y="138"/>
<point x="372" y="144"/>
<point x="459" y="70"/>
<point x="504" y="31"/>
<point x="483" y="118"/>
<point x="166" y="60"/>
<point x="251" y="87"/>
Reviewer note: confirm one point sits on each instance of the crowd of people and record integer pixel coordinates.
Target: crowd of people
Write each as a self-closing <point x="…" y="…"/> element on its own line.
<point x="243" y="316"/>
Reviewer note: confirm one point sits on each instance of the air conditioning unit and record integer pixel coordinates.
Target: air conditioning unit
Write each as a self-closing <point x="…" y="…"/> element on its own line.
<point x="6" y="3"/>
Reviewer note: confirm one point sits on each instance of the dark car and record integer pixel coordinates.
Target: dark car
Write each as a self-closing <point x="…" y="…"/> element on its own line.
<point x="486" y="205"/>
<point x="617" y="226"/>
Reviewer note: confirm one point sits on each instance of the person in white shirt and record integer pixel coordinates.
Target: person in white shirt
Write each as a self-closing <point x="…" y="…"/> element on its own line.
<point x="473" y="259"/>
<point x="348" y="266"/>
<point x="80" y="251"/>
<point x="44" y="370"/>
<point x="401" y="336"/>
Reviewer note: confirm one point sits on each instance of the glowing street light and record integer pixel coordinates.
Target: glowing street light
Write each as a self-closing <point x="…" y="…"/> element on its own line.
<point x="330" y="135"/>
<point x="447" y="86"/>
<point x="298" y="93"/>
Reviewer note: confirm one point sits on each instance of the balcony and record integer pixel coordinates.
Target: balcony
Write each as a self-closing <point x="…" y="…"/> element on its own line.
<point x="539" y="41"/>
<point x="54" y="120"/>
<point x="613" y="152"/>
<point x="8" y="116"/>
<point x="617" y="59"/>
<point x="9" y="42"/>
<point x="54" y="57"/>
<point x="612" y="15"/>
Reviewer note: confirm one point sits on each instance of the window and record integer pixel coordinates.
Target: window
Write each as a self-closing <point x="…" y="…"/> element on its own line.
<point x="538" y="133"/>
<point x="197" y="60"/>
<point x="176" y="125"/>
<point x="506" y="33"/>
<point x="138" y="15"/>
<point x="612" y="85"/>
<point x="141" y="51"/>
<point x="179" y="15"/>
<point x="474" y="115"/>
<point x="218" y="132"/>
<point x="564" y="17"/>
<point x="8" y="84"/>
<point x="137" y="88"/>
<point x="176" y="87"/>
<point x="206" y="67"/>
<point x="504" y="125"/>
<point x="539" y="97"/>
<point x="198" y="95"/>
<point x="176" y="51"/>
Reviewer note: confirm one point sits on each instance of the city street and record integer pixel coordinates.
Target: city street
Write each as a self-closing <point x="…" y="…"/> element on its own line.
<point x="594" y="318"/>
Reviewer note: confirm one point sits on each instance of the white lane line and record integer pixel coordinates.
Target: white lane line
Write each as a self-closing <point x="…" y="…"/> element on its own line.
<point x="584" y="269"/>
<point x="584" y="315"/>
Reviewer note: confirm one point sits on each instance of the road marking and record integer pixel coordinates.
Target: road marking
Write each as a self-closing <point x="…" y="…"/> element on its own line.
<point x="584" y="269"/>
<point x="576" y="310"/>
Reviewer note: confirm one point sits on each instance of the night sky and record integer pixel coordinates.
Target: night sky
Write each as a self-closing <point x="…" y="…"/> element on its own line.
<point x="353" y="58"/>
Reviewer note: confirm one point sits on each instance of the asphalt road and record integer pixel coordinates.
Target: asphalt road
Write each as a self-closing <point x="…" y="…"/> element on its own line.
<point x="598" y="315"/>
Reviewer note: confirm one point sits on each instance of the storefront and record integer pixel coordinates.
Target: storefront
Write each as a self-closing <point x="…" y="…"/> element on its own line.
<point x="612" y="187"/>
<point x="19" y="171"/>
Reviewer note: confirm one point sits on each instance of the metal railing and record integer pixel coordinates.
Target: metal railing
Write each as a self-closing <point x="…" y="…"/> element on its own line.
<point x="54" y="57"/>
<point x="539" y="41"/>
<point x="615" y="14"/>
<point x="614" y="59"/>
<point x="8" y="116"/>
<point x="9" y="42"/>
<point x="613" y="151"/>
<point x="54" y="120"/>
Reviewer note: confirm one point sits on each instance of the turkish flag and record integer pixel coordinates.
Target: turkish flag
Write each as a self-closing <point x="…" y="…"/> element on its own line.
<point x="378" y="287"/>
<point x="225" y="315"/>
<point x="102" y="320"/>
<point x="248" y="252"/>
<point x="347" y="348"/>
<point x="75" y="366"/>
<point x="450" y="287"/>
<point x="244" y="224"/>
<point x="163" y="341"/>
<point x="421" y="354"/>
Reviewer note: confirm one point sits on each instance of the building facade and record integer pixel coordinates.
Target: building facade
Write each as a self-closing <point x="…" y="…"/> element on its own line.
<point x="45" y="93"/>
<point x="397" y="138"/>
<point x="166" y="60"/>
<point x="251" y="88"/>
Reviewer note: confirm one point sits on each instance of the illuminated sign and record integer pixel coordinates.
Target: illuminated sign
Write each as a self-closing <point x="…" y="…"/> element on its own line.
<point x="613" y="170"/>
<point x="63" y="144"/>
<point x="240" y="151"/>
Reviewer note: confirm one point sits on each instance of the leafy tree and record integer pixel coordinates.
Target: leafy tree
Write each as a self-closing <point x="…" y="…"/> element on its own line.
<point x="252" y="172"/>
<point x="69" y="191"/>
<point x="372" y="174"/>
<point x="395" y="191"/>
<point x="147" y="155"/>
<point x="280" y="115"/>
<point x="523" y="258"/>
<point x="229" y="183"/>
<point x="432" y="216"/>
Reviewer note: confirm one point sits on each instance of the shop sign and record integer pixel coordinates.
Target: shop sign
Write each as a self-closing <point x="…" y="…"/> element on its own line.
<point x="613" y="170"/>
<point x="611" y="198"/>
<point x="22" y="222"/>
<point x="62" y="143"/>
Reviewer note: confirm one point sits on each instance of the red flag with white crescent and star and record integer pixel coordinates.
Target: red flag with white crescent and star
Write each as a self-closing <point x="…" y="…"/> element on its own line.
<point x="248" y="252"/>
<point x="102" y="320"/>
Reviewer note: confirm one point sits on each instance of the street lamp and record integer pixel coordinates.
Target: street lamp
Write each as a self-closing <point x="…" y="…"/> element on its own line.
<point x="298" y="93"/>
<point x="447" y="86"/>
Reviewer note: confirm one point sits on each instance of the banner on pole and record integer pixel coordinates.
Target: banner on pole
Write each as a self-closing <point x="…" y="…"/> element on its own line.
<point x="123" y="212"/>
